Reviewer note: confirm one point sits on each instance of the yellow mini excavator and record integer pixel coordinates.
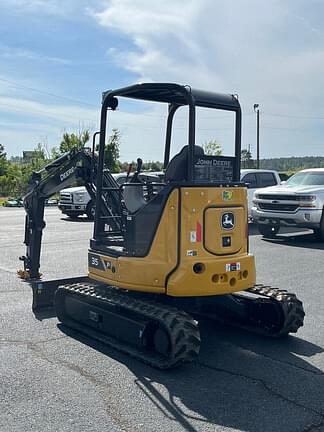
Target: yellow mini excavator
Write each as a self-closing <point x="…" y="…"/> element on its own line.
<point x="162" y="255"/>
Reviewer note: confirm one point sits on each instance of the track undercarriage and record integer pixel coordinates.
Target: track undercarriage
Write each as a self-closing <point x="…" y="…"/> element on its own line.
<point x="162" y="331"/>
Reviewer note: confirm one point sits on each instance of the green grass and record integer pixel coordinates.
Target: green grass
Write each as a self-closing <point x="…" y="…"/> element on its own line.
<point x="2" y="200"/>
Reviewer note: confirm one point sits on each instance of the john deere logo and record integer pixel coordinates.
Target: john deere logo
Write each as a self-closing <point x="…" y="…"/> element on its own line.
<point x="227" y="195"/>
<point x="228" y="221"/>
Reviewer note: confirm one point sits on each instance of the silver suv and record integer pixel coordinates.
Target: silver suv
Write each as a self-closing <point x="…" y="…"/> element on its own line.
<point x="297" y="202"/>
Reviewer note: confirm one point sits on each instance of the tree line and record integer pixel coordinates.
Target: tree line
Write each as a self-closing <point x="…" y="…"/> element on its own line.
<point x="287" y="164"/>
<point x="16" y="171"/>
<point x="293" y="163"/>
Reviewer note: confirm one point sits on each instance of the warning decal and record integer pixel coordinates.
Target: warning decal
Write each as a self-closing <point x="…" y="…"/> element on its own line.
<point x="199" y="232"/>
<point x="232" y="266"/>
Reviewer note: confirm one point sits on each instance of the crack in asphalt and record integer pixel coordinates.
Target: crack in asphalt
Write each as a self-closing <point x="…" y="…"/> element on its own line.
<point x="276" y="360"/>
<point x="101" y="387"/>
<point x="24" y="342"/>
<point x="305" y="369"/>
<point x="13" y="342"/>
<point x="33" y="346"/>
<point x="273" y="393"/>
<point x="28" y="343"/>
<point x="314" y="427"/>
<point x="11" y="291"/>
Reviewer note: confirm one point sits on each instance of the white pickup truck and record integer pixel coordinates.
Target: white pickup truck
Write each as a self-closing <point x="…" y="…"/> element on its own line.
<point x="256" y="179"/>
<point x="298" y="202"/>
<point x="76" y="201"/>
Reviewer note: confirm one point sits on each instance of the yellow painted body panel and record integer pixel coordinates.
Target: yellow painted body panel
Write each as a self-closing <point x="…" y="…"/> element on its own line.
<point x="148" y="273"/>
<point x="205" y="206"/>
<point x="214" y="279"/>
<point x="201" y="264"/>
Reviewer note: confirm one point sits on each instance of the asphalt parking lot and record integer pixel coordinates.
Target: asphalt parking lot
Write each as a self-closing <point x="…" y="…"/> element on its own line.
<point x="53" y="379"/>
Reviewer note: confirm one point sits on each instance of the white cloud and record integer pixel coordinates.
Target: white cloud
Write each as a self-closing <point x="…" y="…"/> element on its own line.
<point x="28" y="122"/>
<point x="62" y="113"/>
<point x="39" y="6"/>
<point x="61" y="8"/>
<point x="36" y="121"/>
<point x="7" y="52"/>
<point x="267" y="52"/>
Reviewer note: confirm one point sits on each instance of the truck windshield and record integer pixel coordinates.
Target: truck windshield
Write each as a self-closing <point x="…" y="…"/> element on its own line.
<point x="306" y="178"/>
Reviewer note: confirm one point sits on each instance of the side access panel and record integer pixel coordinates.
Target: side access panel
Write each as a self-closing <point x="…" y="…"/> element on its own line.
<point x="213" y="255"/>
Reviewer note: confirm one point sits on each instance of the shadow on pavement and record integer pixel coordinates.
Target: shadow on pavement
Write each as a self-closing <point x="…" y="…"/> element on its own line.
<point x="253" y="230"/>
<point x="291" y="237"/>
<point x="303" y="240"/>
<point x="239" y="381"/>
<point x="78" y="219"/>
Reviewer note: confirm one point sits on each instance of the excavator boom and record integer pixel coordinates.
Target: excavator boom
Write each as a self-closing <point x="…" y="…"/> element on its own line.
<point x="75" y="166"/>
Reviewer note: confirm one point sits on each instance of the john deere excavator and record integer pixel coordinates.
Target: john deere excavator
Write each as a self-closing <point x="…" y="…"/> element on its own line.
<point x="159" y="261"/>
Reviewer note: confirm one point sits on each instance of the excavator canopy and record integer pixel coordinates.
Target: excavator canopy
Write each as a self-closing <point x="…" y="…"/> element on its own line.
<point x="175" y="94"/>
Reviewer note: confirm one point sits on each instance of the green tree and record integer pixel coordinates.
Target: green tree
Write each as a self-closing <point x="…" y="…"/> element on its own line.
<point x="11" y="181"/>
<point x="38" y="161"/>
<point x="112" y="151"/>
<point x="39" y="157"/>
<point x="212" y="148"/>
<point x="3" y="160"/>
<point x="71" y="141"/>
<point x="152" y="166"/>
<point x="3" y="154"/>
<point x="123" y="166"/>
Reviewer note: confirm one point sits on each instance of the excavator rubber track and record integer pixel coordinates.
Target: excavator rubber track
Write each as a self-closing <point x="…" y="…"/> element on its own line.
<point x="269" y="312"/>
<point x="178" y="333"/>
<point x="291" y="308"/>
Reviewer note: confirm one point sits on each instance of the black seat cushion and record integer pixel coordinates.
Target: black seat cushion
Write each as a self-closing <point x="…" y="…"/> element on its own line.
<point x="177" y="169"/>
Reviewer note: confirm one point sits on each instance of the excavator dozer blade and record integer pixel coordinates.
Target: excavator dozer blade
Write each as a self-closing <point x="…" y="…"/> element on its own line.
<point x="44" y="293"/>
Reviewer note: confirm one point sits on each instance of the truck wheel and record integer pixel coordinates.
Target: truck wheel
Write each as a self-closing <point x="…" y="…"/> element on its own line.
<point x="268" y="231"/>
<point x="319" y="232"/>
<point x="90" y="210"/>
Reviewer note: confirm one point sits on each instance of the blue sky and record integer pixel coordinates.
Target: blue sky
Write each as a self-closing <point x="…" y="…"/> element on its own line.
<point x="57" y="57"/>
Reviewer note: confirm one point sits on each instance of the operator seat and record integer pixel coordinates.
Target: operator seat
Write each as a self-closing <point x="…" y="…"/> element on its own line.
<point x="133" y="196"/>
<point x="177" y="169"/>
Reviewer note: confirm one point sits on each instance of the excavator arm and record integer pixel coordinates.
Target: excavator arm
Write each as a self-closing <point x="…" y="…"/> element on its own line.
<point x="77" y="165"/>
